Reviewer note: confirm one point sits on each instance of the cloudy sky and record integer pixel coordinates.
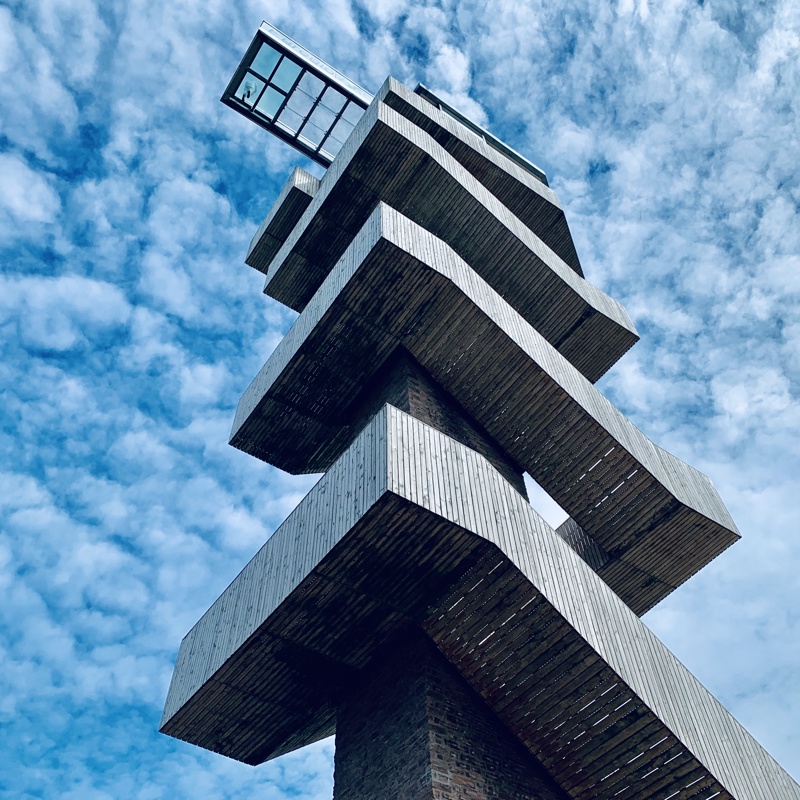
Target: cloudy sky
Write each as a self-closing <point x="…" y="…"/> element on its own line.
<point x="130" y="326"/>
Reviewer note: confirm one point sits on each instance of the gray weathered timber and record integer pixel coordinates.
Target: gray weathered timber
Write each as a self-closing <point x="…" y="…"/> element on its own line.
<point x="659" y="519"/>
<point x="388" y="158"/>
<point x="411" y="528"/>
<point x="531" y="200"/>
<point x="287" y="209"/>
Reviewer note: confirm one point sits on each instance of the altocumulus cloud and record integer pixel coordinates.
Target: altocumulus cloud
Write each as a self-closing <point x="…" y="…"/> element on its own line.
<point x="130" y="328"/>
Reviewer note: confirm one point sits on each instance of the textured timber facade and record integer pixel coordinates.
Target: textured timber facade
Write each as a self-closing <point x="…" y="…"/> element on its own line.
<point x="414" y="603"/>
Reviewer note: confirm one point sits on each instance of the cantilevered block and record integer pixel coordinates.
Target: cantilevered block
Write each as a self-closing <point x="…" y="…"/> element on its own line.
<point x="533" y="202"/>
<point x="387" y="158"/>
<point x="410" y="528"/>
<point x="287" y="209"/>
<point x="659" y="519"/>
<point x="295" y="95"/>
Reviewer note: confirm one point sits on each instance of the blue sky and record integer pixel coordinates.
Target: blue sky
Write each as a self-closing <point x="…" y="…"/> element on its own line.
<point x="130" y="326"/>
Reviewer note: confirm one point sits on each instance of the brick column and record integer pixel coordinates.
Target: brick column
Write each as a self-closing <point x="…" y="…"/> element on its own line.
<point x="413" y="729"/>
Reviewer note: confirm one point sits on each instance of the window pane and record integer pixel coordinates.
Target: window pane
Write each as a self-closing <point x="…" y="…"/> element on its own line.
<point x="290" y="120"/>
<point x="249" y="89"/>
<point x="270" y="102"/>
<point x="331" y="147"/>
<point x="311" y="135"/>
<point x="332" y="100"/>
<point x="352" y="113"/>
<point x="300" y="102"/>
<point x="286" y="74"/>
<point x="323" y="118"/>
<point x="311" y="84"/>
<point x="265" y="61"/>
<point x="341" y="130"/>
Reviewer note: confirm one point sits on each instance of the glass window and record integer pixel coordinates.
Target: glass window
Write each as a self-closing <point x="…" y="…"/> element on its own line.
<point x="311" y="135"/>
<point x="311" y="84"/>
<point x="270" y="102"/>
<point x="249" y="89"/>
<point x="265" y="61"/>
<point x="300" y="102"/>
<point x="290" y="120"/>
<point x="331" y="148"/>
<point x="341" y="130"/>
<point x="332" y="100"/>
<point x="352" y="113"/>
<point x="293" y="94"/>
<point x="286" y="74"/>
<point x="323" y="118"/>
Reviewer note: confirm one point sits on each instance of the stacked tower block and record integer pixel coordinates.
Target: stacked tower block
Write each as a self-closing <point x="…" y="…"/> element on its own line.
<point x="414" y="603"/>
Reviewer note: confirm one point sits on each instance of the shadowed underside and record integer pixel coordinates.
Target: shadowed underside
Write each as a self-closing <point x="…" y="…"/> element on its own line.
<point x="410" y="528"/>
<point x="659" y="520"/>
<point x="411" y="728"/>
<point x="389" y="160"/>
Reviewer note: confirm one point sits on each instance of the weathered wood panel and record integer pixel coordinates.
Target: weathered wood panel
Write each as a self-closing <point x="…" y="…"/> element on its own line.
<point x="534" y="203"/>
<point x="403" y="383"/>
<point x="659" y="519"/>
<point x="410" y="527"/>
<point x="287" y="209"/>
<point x="387" y="158"/>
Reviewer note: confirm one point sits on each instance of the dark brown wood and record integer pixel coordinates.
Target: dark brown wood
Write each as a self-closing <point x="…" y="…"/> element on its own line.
<point x="414" y="602"/>
<point x="292" y="201"/>
<point x="391" y="160"/>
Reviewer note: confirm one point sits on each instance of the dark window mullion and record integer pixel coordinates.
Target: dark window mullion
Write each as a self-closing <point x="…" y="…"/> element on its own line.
<point x="261" y="113"/>
<point x="289" y="93"/>
<point x="266" y="81"/>
<point x="333" y="124"/>
<point x="274" y="69"/>
<point x="313" y="109"/>
<point x="263" y="88"/>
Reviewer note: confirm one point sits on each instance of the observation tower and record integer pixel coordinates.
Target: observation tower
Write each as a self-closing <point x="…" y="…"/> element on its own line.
<point x="414" y="603"/>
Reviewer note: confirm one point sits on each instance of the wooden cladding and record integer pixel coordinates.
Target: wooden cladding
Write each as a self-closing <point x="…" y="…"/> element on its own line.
<point x="286" y="211"/>
<point x="397" y="285"/>
<point x="389" y="159"/>
<point x="410" y="528"/>
<point x="431" y="272"/>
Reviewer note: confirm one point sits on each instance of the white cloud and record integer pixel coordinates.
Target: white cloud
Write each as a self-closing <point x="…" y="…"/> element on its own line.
<point x="60" y="313"/>
<point x="37" y="104"/>
<point x="202" y="383"/>
<point x="9" y="50"/>
<point x="26" y="196"/>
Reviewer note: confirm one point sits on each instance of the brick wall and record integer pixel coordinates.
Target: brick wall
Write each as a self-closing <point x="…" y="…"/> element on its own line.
<point x="413" y="729"/>
<point x="407" y="386"/>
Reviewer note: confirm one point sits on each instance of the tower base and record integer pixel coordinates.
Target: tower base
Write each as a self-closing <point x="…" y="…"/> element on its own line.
<point x="415" y="730"/>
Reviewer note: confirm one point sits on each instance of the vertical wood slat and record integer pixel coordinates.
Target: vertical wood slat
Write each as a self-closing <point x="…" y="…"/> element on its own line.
<point x="412" y="289"/>
<point x="533" y="201"/>
<point x="282" y="218"/>
<point x="430" y="186"/>
<point x="399" y="459"/>
<point x="553" y="650"/>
